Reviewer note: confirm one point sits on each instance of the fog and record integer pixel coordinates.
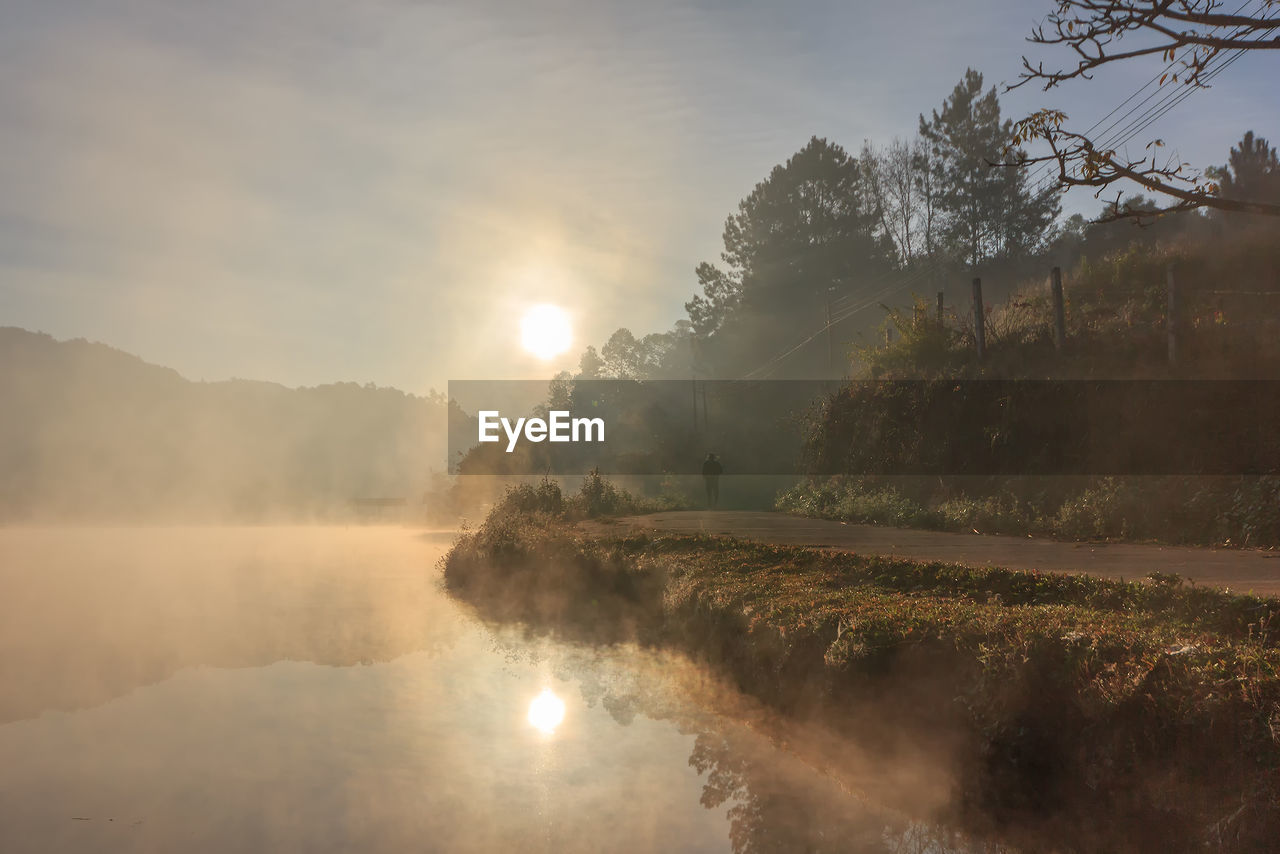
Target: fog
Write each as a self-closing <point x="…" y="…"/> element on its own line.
<point x="263" y="264"/>
<point x="92" y="613"/>
<point x="313" y="689"/>
<point x="96" y="434"/>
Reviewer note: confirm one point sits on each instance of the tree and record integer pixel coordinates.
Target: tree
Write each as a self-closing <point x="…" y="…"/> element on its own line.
<point x="721" y="292"/>
<point x="626" y="357"/>
<point x="897" y="179"/>
<point x="590" y="366"/>
<point x="1191" y="36"/>
<point x="1252" y="172"/>
<point x="987" y="211"/>
<point x="810" y="226"/>
<point x="929" y="194"/>
<point x="1085" y="237"/>
<point x="655" y="356"/>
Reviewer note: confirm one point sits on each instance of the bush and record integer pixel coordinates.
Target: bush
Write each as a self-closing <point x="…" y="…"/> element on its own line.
<point x="598" y="497"/>
<point x="1092" y="514"/>
<point x="1241" y="511"/>
<point x="1113" y="699"/>
<point x="525" y="498"/>
<point x="1253" y="512"/>
<point x="996" y="514"/>
<point x="851" y="501"/>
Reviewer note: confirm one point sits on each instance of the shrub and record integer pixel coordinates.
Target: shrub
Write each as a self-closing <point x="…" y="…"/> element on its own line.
<point x="1175" y="509"/>
<point x="525" y="498"/>
<point x="1252" y="512"/>
<point x="598" y="497"/>
<point x="852" y="501"/>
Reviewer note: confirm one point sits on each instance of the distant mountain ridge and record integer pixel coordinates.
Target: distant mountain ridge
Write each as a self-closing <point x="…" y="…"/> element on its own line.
<point x="89" y="431"/>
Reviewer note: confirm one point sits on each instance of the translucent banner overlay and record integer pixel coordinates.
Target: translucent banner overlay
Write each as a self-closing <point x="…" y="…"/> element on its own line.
<point x="907" y="427"/>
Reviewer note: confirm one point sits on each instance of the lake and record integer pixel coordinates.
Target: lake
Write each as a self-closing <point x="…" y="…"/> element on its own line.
<point x="314" y="689"/>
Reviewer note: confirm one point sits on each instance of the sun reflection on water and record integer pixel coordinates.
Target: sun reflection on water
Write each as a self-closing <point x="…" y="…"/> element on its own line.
<point x="546" y="712"/>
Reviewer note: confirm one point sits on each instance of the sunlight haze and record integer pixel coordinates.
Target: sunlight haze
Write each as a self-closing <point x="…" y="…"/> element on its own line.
<point x="306" y="192"/>
<point x="701" y="426"/>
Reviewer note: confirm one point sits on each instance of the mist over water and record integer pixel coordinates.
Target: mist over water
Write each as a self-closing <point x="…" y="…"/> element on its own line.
<point x="97" y="435"/>
<point x="313" y="689"/>
<point x="829" y="260"/>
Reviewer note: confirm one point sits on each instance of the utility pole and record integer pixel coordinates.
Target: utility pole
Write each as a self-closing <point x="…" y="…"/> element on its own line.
<point x="1059" y="309"/>
<point x="694" y="383"/>
<point x="831" y="347"/>
<point x="706" y="413"/>
<point x="979" y="320"/>
<point x="693" y="378"/>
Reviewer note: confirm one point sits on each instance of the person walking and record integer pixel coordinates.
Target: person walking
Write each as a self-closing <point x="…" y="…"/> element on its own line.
<point x="711" y="471"/>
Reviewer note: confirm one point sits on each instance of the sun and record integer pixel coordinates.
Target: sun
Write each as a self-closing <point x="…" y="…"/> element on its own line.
<point x="545" y="331"/>
<point x="546" y="712"/>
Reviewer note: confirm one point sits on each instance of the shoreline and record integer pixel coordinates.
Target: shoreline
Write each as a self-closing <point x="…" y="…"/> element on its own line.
<point x="1077" y="708"/>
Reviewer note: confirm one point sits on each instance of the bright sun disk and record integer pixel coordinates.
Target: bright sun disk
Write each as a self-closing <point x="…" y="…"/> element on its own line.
<point x="545" y="331"/>
<point x="546" y="711"/>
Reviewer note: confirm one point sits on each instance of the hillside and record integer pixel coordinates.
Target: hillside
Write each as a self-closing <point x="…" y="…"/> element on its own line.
<point x="91" y="432"/>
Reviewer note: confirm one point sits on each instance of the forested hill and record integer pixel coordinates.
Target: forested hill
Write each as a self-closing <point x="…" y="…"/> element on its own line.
<point x="90" y="432"/>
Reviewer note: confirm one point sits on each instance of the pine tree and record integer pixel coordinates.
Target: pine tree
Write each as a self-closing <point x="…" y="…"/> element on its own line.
<point x="986" y="210"/>
<point x="1252" y="172"/>
<point x="808" y="227"/>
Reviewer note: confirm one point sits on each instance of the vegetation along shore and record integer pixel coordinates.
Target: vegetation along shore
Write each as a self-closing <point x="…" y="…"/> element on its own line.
<point x="1103" y="711"/>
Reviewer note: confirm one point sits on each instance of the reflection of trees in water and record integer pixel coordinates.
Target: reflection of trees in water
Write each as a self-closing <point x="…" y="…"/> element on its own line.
<point x="779" y="813"/>
<point x="775" y="801"/>
<point x="775" y="808"/>
<point x="106" y="611"/>
<point x="922" y="837"/>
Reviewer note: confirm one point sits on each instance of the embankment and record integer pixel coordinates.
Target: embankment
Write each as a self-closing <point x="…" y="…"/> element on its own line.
<point x="1100" y="714"/>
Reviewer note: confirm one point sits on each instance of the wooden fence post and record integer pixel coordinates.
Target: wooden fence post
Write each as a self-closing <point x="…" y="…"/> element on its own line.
<point x="979" y="320"/>
<point x="694" y="382"/>
<point x="941" y="322"/>
<point x="1059" y="309"/>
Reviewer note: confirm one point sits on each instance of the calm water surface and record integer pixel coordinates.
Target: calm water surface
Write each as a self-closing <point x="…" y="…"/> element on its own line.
<point x="313" y="689"/>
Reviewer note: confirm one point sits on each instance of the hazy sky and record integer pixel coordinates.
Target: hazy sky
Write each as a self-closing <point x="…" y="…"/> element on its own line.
<point x="309" y="191"/>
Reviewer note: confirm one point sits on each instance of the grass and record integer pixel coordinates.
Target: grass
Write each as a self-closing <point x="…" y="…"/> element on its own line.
<point x="1230" y="511"/>
<point x="1116" y="325"/>
<point x="1126" y="702"/>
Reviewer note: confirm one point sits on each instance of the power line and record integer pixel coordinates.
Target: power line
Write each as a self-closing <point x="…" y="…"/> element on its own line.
<point x="1167" y="101"/>
<point x="768" y="366"/>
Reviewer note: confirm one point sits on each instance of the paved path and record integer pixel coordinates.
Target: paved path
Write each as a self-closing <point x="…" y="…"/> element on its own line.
<point x="1242" y="570"/>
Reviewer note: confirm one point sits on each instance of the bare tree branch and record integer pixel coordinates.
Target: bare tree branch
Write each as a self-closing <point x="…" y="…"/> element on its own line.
<point x="1080" y="163"/>
<point x="1092" y="28"/>
<point x="1189" y="35"/>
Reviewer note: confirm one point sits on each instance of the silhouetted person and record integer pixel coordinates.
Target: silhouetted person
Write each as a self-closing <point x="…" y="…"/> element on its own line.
<point x="711" y="471"/>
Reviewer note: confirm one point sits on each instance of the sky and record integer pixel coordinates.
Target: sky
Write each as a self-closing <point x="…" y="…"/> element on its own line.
<point x="313" y="191"/>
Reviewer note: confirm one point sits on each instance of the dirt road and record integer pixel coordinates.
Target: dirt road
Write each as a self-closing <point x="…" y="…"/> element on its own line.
<point x="1241" y="570"/>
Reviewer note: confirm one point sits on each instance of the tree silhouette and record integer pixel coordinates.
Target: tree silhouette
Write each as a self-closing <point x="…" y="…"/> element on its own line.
<point x="1252" y="172"/>
<point x="808" y="227"/>
<point x="986" y="211"/>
